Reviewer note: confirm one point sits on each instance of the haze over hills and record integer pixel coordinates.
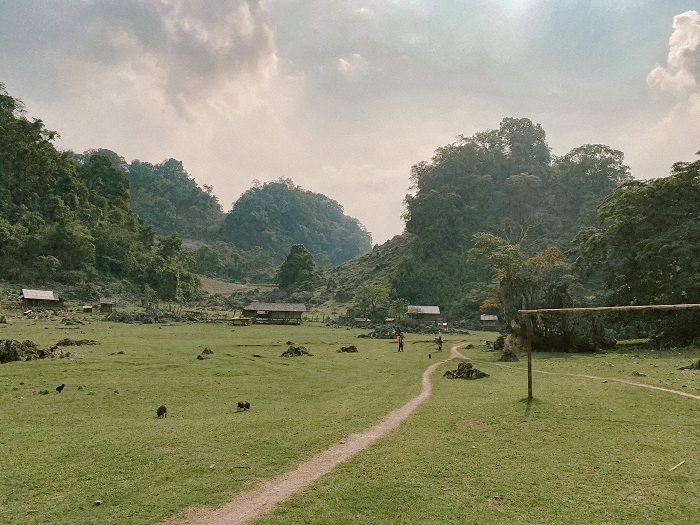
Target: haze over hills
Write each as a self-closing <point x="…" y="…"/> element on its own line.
<point x="494" y="221"/>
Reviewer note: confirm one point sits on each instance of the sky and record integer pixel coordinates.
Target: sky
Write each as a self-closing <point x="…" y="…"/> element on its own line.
<point x="344" y="96"/>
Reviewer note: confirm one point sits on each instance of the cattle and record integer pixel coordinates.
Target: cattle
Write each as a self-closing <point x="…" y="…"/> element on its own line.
<point x="162" y="411"/>
<point x="60" y="388"/>
<point x="243" y="405"/>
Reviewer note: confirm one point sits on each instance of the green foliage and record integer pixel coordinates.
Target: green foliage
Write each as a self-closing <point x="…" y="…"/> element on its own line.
<point x="66" y="217"/>
<point x="504" y="183"/>
<point x="168" y="198"/>
<point x="372" y="301"/>
<point x="224" y="260"/>
<point x="646" y="248"/>
<point x="297" y="271"/>
<point x="279" y="214"/>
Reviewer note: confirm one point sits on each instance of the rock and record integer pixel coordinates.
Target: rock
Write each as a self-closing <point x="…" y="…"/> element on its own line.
<point x="295" y="351"/>
<point x="465" y="370"/>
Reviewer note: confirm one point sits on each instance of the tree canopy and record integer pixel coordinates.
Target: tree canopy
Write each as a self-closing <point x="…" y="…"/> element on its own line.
<point x="646" y="247"/>
<point x="66" y="218"/>
<point x="503" y="182"/>
<point x="276" y="215"/>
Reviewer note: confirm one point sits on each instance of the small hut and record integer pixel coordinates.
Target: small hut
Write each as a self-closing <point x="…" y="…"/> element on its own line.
<point x="489" y="321"/>
<point x="277" y="313"/>
<point x="362" y="322"/>
<point x="424" y="313"/>
<point x="107" y="305"/>
<point x="40" y="299"/>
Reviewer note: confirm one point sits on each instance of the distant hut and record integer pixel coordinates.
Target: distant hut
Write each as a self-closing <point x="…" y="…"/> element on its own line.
<point x="362" y="322"/>
<point x="489" y="321"/>
<point x="107" y="305"/>
<point x="40" y="299"/>
<point x="277" y="313"/>
<point x="424" y="313"/>
<point x="87" y="309"/>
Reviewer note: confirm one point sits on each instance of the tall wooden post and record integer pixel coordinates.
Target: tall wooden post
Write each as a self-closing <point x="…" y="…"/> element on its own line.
<point x="530" y="337"/>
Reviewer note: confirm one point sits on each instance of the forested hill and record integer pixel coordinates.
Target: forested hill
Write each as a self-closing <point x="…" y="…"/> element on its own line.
<point x="166" y="197"/>
<point x="503" y="182"/>
<point x="69" y="221"/>
<point x="270" y="217"/>
<point x="276" y="215"/>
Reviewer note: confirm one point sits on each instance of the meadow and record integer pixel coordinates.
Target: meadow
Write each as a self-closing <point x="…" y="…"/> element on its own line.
<point x="583" y="451"/>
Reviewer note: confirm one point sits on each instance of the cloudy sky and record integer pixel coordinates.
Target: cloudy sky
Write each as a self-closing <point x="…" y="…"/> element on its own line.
<point x="344" y="96"/>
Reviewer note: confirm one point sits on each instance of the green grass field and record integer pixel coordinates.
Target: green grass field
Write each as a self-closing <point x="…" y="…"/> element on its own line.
<point x="585" y="451"/>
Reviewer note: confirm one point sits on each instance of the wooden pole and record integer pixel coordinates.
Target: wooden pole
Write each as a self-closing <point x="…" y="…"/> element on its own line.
<point x="530" y="337"/>
<point x="612" y="309"/>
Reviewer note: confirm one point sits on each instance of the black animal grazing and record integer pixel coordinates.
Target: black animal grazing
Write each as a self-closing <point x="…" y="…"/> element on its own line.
<point x="162" y="411"/>
<point x="60" y="388"/>
<point x="243" y="405"/>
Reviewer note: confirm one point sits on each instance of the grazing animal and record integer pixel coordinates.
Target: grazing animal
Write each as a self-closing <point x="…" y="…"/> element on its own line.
<point x="60" y="388"/>
<point x="430" y="356"/>
<point x="243" y="405"/>
<point x="162" y="411"/>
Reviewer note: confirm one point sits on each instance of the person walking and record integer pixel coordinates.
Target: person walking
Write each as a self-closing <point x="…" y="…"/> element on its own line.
<point x="400" y="340"/>
<point x="439" y="343"/>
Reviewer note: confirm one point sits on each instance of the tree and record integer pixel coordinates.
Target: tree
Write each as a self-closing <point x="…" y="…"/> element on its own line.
<point x="372" y="301"/>
<point x="538" y="281"/>
<point x="297" y="271"/>
<point x="646" y="248"/>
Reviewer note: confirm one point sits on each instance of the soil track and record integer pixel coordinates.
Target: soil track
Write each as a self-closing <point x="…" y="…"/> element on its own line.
<point x="252" y="504"/>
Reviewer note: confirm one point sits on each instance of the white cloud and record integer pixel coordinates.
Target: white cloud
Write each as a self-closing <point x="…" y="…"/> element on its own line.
<point x="679" y="75"/>
<point x="353" y="66"/>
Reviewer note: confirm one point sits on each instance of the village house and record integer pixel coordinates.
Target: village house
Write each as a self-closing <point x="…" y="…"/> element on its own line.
<point x="489" y="321"/>
<point x="278" y="313"/>
<point x="40" y="299"/>
<point x="424" y="313"/>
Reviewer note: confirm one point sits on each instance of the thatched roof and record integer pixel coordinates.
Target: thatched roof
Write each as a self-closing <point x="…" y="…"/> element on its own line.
<point x="413" y="309"/>
<point x="276" y="307"/>
<point x="39" y="295"/>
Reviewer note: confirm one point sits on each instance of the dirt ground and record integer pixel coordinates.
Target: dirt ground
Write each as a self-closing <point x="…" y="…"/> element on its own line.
<point x="250" y="505"/>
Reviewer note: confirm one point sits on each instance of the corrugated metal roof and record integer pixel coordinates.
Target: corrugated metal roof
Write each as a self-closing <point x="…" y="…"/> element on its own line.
<point x="487" y="317"/>
<point x="107" y="300"/>
<point x="276" y="307"/>
<point x="41" y="295"/>
<point x="412" y="309"/>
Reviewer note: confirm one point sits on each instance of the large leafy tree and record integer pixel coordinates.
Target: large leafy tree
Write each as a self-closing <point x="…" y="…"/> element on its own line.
<point x="297" y="271"/>
<point x="646" y="247"/>
<point x="542" y="280"/>
<point x="167" y="197"/>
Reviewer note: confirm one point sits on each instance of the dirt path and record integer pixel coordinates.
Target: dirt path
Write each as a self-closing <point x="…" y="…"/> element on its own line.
<point x="252" y="504"/>
<point x="613" y="379"/>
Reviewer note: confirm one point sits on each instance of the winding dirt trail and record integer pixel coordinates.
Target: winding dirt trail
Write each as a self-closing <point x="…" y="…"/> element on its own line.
<point x="252" y="504"/>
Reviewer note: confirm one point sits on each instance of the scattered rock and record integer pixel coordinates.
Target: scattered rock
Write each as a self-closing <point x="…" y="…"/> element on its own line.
<point x="351" y="348"/>
<point x="121" y="352"/>
<point x="295" y="351"/>
<point x="76" y="342"/>
<point x="465" y="370"/>
<point x="509" y="356"/>
<point x="207" y="351"/>
<point x="11" y="350"/>
<point x="695" y="365"/>
<point x="637" y="374"/>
